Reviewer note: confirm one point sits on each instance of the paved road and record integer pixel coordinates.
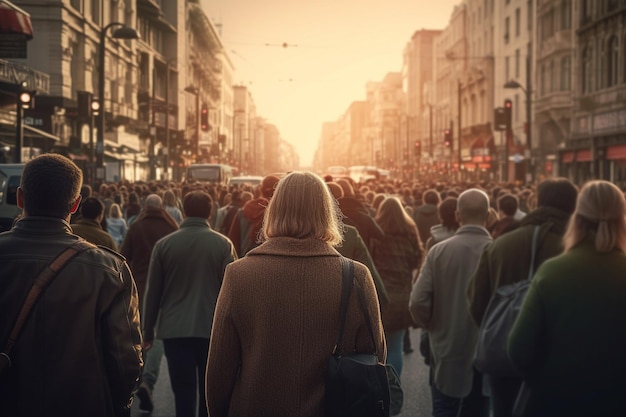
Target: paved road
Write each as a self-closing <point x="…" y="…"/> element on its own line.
<point x="414" y="381"/>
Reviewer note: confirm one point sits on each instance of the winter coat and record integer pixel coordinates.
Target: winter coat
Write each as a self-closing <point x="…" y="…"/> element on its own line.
<point x="507" y="259"/>
<point x="246" y="226"/>
<point x="438" y="304"/>
<point x="358" y="216"/>
<point x="353" y="247"/>
<point x="568" y="341"/>
<point x="181" y="295"/>
<point x="425" y="217"/>
<point x="79" y="352"/>
<point x="275" y="327"/>
<point x="150" y="226"/>
<point x="91" y="231"/>
<point x="396" y="257"/>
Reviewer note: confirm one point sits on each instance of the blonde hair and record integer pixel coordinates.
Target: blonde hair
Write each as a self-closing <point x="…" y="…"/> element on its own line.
<point x="599" y="215"/>
<point x="169" y="198"/>
<point x="302" y="207"/>
<point x="115" y="211"/>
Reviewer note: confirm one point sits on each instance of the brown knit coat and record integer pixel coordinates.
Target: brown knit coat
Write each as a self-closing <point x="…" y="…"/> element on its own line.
<point x="275" y="327"/>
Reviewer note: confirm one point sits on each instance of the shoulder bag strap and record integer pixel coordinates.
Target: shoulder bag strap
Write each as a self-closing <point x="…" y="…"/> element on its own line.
<point x="41" y="282"/>
<point x="347" y="270"/>
<point x="366" y="313"/>
<point x="533" y="252"/>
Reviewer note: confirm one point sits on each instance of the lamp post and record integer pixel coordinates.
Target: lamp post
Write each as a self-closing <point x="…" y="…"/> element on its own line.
<point x="512" y="84"/>
<point x="196" y="91"/>
<point x="123" y="32"/>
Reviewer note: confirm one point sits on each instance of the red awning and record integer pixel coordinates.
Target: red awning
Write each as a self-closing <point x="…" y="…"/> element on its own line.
<point x="14" y="20"/>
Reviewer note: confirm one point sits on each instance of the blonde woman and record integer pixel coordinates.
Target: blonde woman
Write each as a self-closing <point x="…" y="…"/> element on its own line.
<point x="568" y="341"/>
<point x="277" y="314"/>
<point x="116" y="225"/>
<point x="170" y="204"/>
<point x="396" y="258"/>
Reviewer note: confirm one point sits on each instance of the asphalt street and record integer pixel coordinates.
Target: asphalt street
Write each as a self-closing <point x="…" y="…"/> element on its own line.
<point x="414" y="382"/>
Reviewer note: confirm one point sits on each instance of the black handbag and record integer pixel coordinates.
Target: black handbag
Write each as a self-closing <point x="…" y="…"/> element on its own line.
<point x="356" y="383"/>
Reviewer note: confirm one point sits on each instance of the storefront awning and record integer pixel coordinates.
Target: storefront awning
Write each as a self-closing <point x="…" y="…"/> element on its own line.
<point x="14" y="20"/>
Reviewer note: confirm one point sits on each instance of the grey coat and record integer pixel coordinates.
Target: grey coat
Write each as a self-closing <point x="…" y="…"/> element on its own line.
<point x="439" y="304"/>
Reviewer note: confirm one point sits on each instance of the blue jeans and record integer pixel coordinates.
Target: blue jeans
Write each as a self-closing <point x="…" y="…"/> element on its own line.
<point x="473" y="405"/>
<point x="186" y="362"/>
<point x="395" y="349"/>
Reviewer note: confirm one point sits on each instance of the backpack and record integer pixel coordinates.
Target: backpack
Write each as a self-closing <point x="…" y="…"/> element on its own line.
<point x="491" y="349"/>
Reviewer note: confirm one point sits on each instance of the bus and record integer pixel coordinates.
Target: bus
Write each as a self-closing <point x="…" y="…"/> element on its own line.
<point x="363" y="173"/>
<point x="214" y="173"/>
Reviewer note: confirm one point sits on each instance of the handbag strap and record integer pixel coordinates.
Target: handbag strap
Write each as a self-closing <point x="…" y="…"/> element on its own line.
<point x="533" y="252"/>
<point x="41" y="282"/>
<point x="347" y="277"/>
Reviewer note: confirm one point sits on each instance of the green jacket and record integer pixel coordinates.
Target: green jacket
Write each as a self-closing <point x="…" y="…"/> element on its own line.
<point x="507" y="259"/>
<point x="353" y="247"/>
<point x="91" y="231"/>
<point x="184" y="279"/>
<point x="569" y="339"/>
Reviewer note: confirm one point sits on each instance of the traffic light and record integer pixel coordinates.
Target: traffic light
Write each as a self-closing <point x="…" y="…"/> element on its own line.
<point x="508" y="109"/>
<point x="417" y="149"/>
<point x="27" y="99"/>
<point x="84" y="105"/>
<point x="447" y="138"/>
<point x="204" y="118"/>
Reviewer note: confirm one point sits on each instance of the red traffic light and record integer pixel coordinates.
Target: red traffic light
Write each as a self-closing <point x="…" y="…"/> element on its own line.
<point x="508" y="104"/>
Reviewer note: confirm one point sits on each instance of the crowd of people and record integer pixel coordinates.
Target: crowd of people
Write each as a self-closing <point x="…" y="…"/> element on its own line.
<point x="239" y="288"/>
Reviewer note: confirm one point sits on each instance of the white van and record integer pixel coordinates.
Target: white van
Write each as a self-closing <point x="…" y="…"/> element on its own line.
<point x="10" y="176"/>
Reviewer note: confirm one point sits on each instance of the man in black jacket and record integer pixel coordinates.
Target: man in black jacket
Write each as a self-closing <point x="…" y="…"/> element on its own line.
<point x="79" y="352"/>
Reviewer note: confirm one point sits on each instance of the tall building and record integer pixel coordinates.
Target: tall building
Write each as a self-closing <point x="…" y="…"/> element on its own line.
<point x="553" y="87"/>
<point x="597" y="145"/>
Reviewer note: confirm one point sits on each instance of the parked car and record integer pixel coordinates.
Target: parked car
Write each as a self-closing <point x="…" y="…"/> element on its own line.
<point x="10" y="176"/>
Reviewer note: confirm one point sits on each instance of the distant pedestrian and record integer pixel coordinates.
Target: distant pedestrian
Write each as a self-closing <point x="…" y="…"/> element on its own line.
<point x="116" y="225"/>
<point x="79" y="352"/>
<point x="438" y="304"/>
<point x="246" y="227"/>
<point x="397" y="258"/>
<point x="568" y="340"/>
<point x="88" y="225"/>
<point x="152" y="224"/>
<point x="277" y="314"/>
<point x="180" y="299"/>
<point x="170" y="204"/>
<point x="426" y="215"/>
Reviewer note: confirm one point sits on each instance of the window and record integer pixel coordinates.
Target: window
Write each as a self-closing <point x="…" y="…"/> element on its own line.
<point x="566" y="65"/>
<point x="566" y="15"/>
<point x="554" y="73"/>
<point x="613" y="62"/>
<point x="517" y="63"/>
<point x="77" y="4"/>
<point x="95" y="12"/>
<point x="507" y="27"/>
<point x="587" y="75"/>
<point x="507" y="71"/>
<point x="518" y="21"/>
<point x="601" y="62"/>
<point x="543" y="79"/>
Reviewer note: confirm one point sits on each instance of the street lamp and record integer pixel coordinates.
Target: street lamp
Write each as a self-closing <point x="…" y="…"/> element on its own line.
<point x="512" y="84"/>
<point x="123" y="32"/>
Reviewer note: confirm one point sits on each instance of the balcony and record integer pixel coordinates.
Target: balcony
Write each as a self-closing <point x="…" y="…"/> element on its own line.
<point x="13" y="73"/>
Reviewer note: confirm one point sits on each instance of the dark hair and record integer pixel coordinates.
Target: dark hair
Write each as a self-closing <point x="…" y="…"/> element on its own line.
<point x="558" y="193"/>
<point x="197" y="204"/>
<point x="508" y="204"/>
<point x="447" y="213"/>
<point x="50" y="185"/>
<point x="432" y="197"/>
<point x="91" y="208"/>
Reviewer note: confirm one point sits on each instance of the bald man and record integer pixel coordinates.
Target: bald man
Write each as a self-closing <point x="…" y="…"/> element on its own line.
<point x="456" y="386"/>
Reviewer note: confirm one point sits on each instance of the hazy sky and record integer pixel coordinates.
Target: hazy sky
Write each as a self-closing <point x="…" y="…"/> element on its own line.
<point x="334" y="48"/>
